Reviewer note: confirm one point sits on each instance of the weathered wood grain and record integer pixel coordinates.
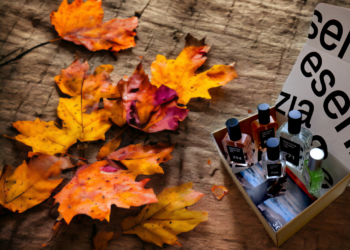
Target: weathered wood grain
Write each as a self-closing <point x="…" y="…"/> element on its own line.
<point x="264" y="38"/>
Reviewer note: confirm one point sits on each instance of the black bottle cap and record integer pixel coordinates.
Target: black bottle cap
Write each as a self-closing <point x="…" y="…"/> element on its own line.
<point x="294" y="122"/>
<point x="233" y="129"/>
<point x="264" y="113"/>
<point x="273" y="149"/>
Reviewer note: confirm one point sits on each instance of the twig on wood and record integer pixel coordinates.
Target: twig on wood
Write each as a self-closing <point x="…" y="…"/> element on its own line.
<point x="24" y="53"/>
<point x="9" y="54"/>
<point x="212" y="174"/>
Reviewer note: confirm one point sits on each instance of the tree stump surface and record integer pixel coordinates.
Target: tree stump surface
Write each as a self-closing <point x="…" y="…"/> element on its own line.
<point x="264" y="38"/>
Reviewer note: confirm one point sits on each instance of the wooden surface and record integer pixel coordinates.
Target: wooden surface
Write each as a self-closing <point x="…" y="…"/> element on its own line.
<point x="264" y="38"/>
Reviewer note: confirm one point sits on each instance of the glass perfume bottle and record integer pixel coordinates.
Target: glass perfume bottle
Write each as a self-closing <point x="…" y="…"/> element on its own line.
<point x="312" y="172"/>
<point x="264" y="127"/>
<point x="237" y="146"/>
<point x="273" y="160"/>
<point x="295" y="141"/>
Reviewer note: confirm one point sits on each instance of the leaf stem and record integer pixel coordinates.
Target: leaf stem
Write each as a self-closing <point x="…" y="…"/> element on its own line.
<point x="116" y="235"/>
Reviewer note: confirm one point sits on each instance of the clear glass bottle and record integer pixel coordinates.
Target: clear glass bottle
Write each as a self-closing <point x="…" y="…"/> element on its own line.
<point x="237" y="146"/>
<point x="312" y="172"/>
<point x="264" y="127"/>
<point x="295" y="141"/>
<point x="273" y="160"/>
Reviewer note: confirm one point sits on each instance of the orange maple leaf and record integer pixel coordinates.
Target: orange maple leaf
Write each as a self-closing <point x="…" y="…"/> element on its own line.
<point x="147" y="107"/>
<point x="75" y="81"/>
<point x="180" y="74"/>
<point x="81" y="22"/>
<point x="95" y="187"/>
<point x="142" y="159"/>
<point x="29" y="184"/>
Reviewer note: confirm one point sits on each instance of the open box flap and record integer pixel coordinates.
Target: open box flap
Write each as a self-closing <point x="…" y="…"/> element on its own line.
<point x="319" y="84"/>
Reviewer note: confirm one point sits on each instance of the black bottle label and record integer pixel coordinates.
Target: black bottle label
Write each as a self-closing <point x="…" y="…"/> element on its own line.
<point x="274" y="169"/>
<point x="236" y="154"/>
<point x="265" y="135"/>
<point x="291" y="149"/>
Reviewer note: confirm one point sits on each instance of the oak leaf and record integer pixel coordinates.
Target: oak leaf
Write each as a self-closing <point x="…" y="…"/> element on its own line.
<point x="142" y="159"/>
<point x="44" y="137"/>
<point x="86" y="127"/>
<point x="95" y="187"/>
<point x="160" y="222"/>
<point x="29" y="184"/>
<point x="180" y="74"/>
<point x="81" y="22"/>
<point x="147" y="107"/>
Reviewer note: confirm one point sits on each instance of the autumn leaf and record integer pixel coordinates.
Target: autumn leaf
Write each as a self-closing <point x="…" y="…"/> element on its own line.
<point x="115" y="111"/>
<point x="111" y="146"/>
<point x="219" y="191"/>
<point x="71" y="79"/>
<point x="81" y="117"/>
<point x="45" y="137"/>
<point x="180" y="74"/>
<point x="101" y="240"/>
<point x="81" y="22"/>
<point x="142" y="159"/>
<point x="75" y="81"/>
<point x="86" y="127"/>
<point x="160" y="222"/>
<point x="95" y="187"/>
<point x="56" y="227"/>
<point x="147" y="107"/>
<point x="29" y="184"/>
<point x="166" y="118"/>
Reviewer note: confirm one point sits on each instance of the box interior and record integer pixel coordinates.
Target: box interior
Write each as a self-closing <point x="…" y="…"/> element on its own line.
<point x="336" y="174"/>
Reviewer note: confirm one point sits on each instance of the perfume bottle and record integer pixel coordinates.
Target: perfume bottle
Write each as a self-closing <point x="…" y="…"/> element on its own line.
<point x="312" y="172"/>
<point x="237" y="146"/>
<point x="263" y="128"/>
<point x="273" y="160"/>
<point x="295" y="141"/>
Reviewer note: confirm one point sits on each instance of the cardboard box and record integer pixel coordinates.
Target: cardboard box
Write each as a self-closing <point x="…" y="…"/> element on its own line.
<point x="318" y="86"/>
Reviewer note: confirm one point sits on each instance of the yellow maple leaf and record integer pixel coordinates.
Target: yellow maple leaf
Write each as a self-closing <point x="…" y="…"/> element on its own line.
<point x="29" y="184"/>
<point x="44" y="137"/>
<point x="180" y="74"/>
<point x="86" y="127"/>
<point x="160" y="222"/>
<point x="142" y="159"/>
